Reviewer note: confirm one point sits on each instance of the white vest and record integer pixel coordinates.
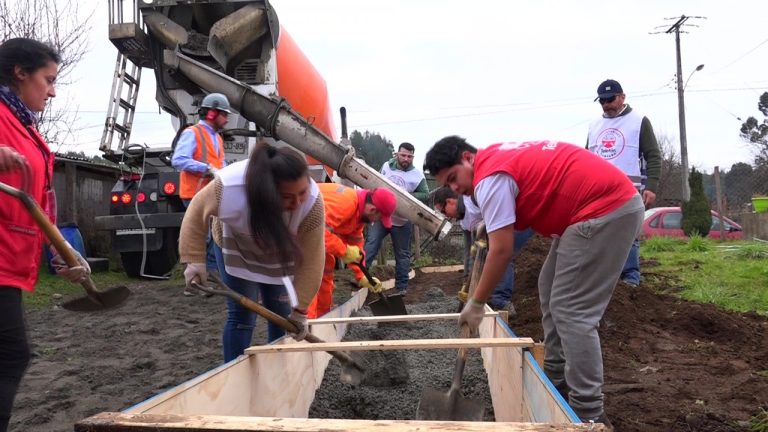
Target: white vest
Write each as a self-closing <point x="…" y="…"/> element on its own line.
<point x="617" y="140"/>
<point x="406" y="180"/>
<point x="236" y="229"/>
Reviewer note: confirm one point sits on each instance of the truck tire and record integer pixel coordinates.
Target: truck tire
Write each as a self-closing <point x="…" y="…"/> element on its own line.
<point x="159" y="262"/>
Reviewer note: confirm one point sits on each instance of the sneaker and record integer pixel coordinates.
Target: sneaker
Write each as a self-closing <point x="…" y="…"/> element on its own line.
<point x="188" y="293"/>
<point x="602" y="418"/>
<point x="628" y="283"/>
<point x="509" y="308"/>
<point x="511" y="312"/>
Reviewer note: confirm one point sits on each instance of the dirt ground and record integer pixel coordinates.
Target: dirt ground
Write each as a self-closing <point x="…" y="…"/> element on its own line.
<point x="670" y="365"/>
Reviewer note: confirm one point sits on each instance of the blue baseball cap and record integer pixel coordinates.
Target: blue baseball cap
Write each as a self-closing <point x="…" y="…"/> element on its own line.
<point x="608" y="88"/>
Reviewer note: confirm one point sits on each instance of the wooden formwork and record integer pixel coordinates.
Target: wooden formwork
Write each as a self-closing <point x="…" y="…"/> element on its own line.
<point x="258" y="392"/>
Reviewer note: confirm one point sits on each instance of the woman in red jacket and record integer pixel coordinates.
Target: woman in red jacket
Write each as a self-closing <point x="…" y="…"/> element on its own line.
<point x="28" y="71"/>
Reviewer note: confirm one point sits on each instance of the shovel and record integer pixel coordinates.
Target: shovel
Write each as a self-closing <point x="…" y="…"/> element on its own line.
<point x="384" y="305"/>
<point x="452" y="405"/>
<point x="95" y="299"/>
<point x="351" y="371"/>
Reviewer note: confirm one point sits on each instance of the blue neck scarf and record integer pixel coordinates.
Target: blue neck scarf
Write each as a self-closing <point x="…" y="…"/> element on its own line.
<point x="19" y="108"/>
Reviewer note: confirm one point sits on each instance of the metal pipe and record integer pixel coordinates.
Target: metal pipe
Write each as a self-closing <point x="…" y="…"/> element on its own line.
<point x="276" y="116"/>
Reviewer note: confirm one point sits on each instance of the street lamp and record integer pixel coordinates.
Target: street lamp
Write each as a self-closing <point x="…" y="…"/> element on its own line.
<point x="681" y="118"/>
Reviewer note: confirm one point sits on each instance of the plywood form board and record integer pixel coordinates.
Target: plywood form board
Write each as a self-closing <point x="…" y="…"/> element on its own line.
<point x="504" y="369"/>
<point x="121" y="422"/>
<point x="540" y="398"/>
<point x="203" y="394"/>
<point x="238" y="387"/>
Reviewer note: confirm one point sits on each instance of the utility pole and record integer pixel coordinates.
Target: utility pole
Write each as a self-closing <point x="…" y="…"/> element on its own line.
<point x="676" y="29"/>
<point x="681" y="109"/>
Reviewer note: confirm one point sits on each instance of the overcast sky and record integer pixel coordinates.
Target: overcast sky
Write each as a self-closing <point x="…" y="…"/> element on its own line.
<point x="492" y="71"/>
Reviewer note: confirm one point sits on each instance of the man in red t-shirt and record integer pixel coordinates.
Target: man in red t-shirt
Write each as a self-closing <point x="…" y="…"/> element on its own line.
<point x="592" y="212"/>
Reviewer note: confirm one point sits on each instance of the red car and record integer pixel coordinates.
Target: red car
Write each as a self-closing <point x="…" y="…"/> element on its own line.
<point x="666" y="221"/>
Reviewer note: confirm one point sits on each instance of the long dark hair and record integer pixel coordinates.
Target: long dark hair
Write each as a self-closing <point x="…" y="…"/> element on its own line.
<point x="267" y="168"/>
<point x="29" y="54"/>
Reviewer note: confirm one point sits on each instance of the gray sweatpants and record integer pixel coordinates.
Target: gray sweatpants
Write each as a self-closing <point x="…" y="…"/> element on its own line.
<point x="575" y="285"/>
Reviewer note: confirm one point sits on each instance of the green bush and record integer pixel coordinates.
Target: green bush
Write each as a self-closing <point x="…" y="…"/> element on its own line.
<point x="697" y="216"/>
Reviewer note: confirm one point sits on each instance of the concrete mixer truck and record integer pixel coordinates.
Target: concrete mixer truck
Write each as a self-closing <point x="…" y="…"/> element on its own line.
<point x="194" y="48"/>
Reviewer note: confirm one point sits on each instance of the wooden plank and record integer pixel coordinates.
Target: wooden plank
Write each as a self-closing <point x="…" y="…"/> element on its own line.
<point x="539" y="397"/>
<point x="538" y="353"/>
<point x="239" y="387"/>
<point x="394" y="345"/>
<point x="390" y="318"/>
<point x="202" y="394"/>
<point x="504" y="369"/>
<point x="121" y="422"/>
<point x="442" y="269"/>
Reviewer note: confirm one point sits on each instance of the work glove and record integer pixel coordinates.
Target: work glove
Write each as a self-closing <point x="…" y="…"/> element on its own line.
<point x="472" y="315"/>
<point x="299" y="319"/>
<point x="463" y="293"/>
<point x="74" y="274"/>
<point x="195" y="272"/>
<point x="477" y="244"/>
<point x="353" y="254"/>
<point x="211" y="171"/>
<point x="374" y="286"/>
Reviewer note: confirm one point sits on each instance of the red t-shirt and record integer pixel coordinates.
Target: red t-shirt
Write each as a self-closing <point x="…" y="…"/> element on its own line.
<point x="559" y="183"/>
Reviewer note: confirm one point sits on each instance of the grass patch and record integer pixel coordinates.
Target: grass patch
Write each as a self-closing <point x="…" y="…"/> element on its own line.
<point x="759" y="422"/>
<point x="662" y="244"/>
<point x="697" y="243"/>
<point x="733" y="276"/>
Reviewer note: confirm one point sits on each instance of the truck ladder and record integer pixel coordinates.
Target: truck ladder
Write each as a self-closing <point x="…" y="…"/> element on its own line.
<point x="122" y="104"/>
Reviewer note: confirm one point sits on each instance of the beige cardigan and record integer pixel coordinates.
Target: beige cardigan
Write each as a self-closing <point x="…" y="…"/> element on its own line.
<point x="311" y="234"/>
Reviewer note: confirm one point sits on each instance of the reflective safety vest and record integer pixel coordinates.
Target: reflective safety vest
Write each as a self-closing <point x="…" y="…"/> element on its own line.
<point x="191" y="182"/>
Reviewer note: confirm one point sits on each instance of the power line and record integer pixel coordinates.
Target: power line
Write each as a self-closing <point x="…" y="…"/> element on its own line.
<point x="742" y="56"/>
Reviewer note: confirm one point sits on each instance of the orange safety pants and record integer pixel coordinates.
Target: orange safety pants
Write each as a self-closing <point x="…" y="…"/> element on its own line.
<point x="323" y="301"/>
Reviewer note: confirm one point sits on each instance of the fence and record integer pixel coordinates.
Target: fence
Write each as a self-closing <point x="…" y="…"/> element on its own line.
<point x="82" y="191"/>
<point x="735" y="192"/>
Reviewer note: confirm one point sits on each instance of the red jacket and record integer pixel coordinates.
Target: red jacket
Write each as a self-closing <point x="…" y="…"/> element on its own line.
<point x="559" y="184"/>
<point x="21" y="241"/>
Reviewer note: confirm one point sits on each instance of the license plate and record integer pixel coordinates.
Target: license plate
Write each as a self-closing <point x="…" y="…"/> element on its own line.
<point x="134" y="231"/>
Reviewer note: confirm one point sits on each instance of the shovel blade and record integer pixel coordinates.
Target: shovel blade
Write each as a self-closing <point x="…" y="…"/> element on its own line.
<point x="353" y="371"/>
<point x="440" y="405"/>
<point x="388" y="305"/>
<point x="105" y="300"/>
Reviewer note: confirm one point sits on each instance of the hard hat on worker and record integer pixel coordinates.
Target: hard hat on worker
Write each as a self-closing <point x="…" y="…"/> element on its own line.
<point x="216" y="101"/>
<point x="385" y="202"/>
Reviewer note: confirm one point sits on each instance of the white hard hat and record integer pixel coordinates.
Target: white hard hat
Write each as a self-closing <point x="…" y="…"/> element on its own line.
<point x="216" y="101"/>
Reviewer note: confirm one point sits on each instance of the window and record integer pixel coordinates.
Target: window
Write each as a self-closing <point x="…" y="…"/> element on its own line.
<point x="672" y="220"/>
<point x="654" y="222"/>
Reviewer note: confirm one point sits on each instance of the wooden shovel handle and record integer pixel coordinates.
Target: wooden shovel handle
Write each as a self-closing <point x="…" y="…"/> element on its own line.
<point x="52" y="234"/>
<point x="277" y="320"/>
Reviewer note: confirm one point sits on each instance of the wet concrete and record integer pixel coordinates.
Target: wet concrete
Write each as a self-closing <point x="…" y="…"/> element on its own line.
<point x="395" y="379"/>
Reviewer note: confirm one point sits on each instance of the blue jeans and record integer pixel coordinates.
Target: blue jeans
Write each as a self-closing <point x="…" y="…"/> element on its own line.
<point x="502" y="294"/>
<point x="210" y="256"/>
<point x="238" y="329"/>
<point x="401" y="244"/>
<point x="631" y="271"/>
